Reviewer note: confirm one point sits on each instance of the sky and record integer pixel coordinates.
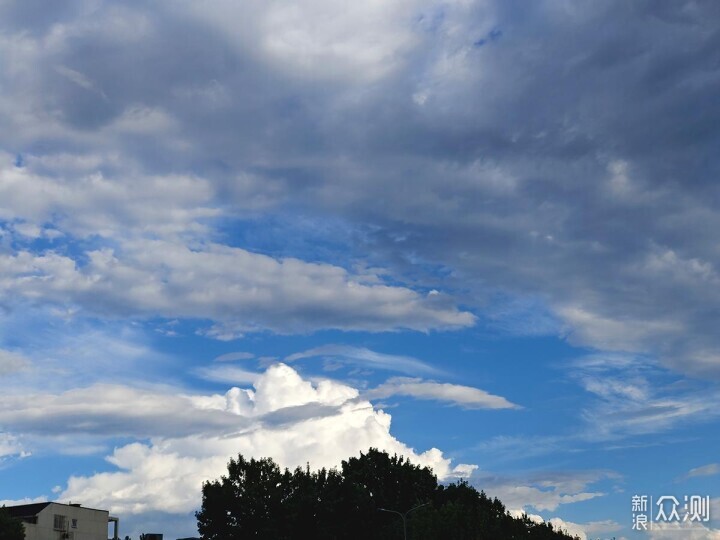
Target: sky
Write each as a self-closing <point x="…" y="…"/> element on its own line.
<point x="478" y="233"/>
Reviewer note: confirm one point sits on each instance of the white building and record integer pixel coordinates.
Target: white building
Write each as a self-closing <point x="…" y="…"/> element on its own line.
<point x="55" y="521"/>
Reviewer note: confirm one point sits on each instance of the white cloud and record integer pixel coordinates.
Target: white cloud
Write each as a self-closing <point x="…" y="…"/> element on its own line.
<point x="463" y="396"/>
<point x="539" y="498"/>
<point x="233" y="356"/>
<point x="143" y="120"/>
<point x="668" y="262"/>
<point x="295" y="391"/>
<point x="332" y="148"/>
<point x="12" y="362"/>
<point x="26" y="500"/>
<point x="73" y="352"/>
<point x="582" y="530"/>
<point x="366" y="358"/>
<point x="706" y="470"/>
<point x="240" y="290"/>
<point x="79" y="79"/>
<point x="686" y="531"/>
<point x="633" y="397"/>
<point x="545" y="491"/>
<point x="227" y="374"/>
<point x="321" y="39"/>
<point x="605" y="526"/>
<point x="10" y="446"/>
<point x="117" y="411"/>
<point x="89" y="202"/>
<point x="614" y="334"/>
<point x="166" y="475"/>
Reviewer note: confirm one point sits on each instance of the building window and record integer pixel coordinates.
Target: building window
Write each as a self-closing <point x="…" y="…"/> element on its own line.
<point x="73" y="523"/>
<point x="59" y="522"/>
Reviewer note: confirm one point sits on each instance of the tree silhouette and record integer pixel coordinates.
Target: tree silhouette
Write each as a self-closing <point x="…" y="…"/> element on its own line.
<point x="10" y="527"/>
<point x="258" y="500"/>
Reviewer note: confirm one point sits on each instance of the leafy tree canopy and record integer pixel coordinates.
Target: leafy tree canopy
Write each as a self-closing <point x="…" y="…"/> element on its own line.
<point x="10" y="527"/>
<point x="258" y="500"/>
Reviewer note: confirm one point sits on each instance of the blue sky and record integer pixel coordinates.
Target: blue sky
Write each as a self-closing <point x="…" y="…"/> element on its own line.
<point x="480" y="234"/>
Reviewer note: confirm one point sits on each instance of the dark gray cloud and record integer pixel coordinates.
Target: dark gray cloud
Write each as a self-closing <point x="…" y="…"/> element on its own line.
<point x="562" y="151"/>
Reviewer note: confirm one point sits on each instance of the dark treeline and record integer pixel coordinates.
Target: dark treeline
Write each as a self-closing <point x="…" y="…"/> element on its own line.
<point x="10" y="527"/>
<point x="258" y="500"/>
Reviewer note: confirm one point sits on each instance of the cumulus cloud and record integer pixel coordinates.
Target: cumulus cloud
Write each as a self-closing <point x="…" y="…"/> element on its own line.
<point x="10" y="446"/>
<point x="167" y="473"/>
<point x="464" y="396"/>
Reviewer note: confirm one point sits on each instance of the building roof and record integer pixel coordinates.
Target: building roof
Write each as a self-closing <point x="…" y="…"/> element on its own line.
<point x="26" y="510"/>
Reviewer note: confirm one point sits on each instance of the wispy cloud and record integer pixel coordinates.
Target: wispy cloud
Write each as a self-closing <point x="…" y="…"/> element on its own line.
<point x="233" y="356"/>
<point x="634" y="396"/>
<point x="706" y="470"/>
<point x="78" y="78"/>
<point x="504" y="448"/>
<point x="227" y="374"/>
<point x="362" y="357"/>
<point x="543" y="490"/>
<point x="454" y="394"/>
<point x="12" y="362"/>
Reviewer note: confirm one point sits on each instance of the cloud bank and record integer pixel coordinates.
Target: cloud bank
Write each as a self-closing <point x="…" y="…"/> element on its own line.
<point x="191" y="437"/>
